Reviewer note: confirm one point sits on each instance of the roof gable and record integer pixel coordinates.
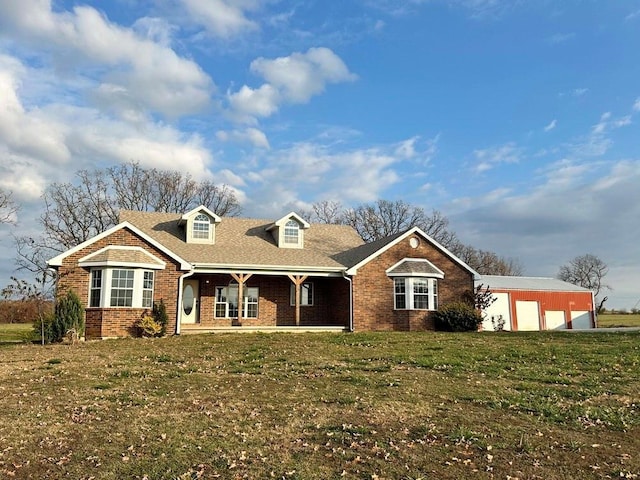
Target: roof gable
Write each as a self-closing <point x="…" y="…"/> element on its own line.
<point x="57" y="260"/>
<point x="372" y="250"/>
<point x="201" y="209"/>
<point x="289" y="216"/>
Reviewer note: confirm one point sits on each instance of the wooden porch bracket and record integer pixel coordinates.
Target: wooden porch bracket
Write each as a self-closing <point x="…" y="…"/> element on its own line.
<point x="241" y="278"/>
<point x="297" y="280"/>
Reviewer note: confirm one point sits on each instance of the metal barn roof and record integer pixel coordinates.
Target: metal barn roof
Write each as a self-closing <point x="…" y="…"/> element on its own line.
<point x="546" y="284"/>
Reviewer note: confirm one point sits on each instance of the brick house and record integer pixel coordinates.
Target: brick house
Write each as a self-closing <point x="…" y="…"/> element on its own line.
<point x="217" y="273"/>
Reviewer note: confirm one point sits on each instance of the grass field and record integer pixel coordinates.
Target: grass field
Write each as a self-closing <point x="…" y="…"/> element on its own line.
<point x="324" y="406"/>
<point x="15" y="332"/>
<point x="617" y="320"/>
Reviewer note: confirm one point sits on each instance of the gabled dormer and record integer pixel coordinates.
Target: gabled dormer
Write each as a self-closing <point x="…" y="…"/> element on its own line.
<point x="200" y="225"/>
<point x="288" y="232"/>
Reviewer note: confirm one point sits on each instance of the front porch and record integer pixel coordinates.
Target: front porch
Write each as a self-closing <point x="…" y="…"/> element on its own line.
<point x="270" y="302"/>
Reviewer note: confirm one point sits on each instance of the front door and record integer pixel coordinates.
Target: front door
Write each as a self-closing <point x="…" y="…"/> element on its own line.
<point x="190" y="301"/>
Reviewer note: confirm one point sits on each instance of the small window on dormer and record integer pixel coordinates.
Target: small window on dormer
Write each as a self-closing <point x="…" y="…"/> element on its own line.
<point x="201" y="227"/>
<point x="291" y="232"/>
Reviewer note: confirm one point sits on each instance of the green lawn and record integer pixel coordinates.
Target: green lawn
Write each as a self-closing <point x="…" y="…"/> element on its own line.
<point x="15" y="332"/>
<point x="618" y="320"/>
<point x="324" y="406"/>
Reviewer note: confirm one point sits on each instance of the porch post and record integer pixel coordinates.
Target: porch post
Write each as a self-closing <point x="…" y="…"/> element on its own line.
<point x="241" y="278"/>
<point x="298" y="280"/>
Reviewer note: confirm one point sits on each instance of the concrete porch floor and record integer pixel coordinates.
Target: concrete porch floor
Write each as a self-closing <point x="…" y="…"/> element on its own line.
<point x="196" y="329"/>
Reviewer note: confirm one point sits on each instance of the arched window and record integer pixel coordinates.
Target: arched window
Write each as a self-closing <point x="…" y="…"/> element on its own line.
<point x="291" y="232"/>
<point x="201" y="226"/>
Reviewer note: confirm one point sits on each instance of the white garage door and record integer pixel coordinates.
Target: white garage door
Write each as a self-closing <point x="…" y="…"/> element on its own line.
<point x="528" y="315"/>
<point x="555" y="320"/>
<point x="497" y="308"/>
<point x="580" y="320"/>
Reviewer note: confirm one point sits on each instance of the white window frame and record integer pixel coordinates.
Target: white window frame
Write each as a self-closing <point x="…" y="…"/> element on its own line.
<point x="95" y="286"/>
<point x="137" y="297"/>
<point x="291" y="233"/>
<point x="198" y="230"/>
<point x="405" y="288"/>
<point x="307" y="294"/>
<point x="250" y="297"/>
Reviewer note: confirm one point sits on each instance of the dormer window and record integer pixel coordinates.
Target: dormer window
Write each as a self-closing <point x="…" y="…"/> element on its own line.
<point x="201" y="227"/>
<point x="288" y="232"/>
<point x="291" y="232"/>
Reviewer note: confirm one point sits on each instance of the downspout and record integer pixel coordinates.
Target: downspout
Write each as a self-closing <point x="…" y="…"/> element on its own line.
<point x="179" y="306"/>
<point x="594" y="314"/>
<point x="350" y="280"/>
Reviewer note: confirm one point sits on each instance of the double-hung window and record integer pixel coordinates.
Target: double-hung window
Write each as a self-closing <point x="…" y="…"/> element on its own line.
<point x="201" y="227"/>
<point x="415" y="293"/>
<point x="227" y="302"/>
<point x="95" y="293"/>
<point x="291" y="232"/>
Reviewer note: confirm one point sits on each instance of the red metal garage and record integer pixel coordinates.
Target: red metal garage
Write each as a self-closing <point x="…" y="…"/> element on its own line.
<point x="537" y="303"/>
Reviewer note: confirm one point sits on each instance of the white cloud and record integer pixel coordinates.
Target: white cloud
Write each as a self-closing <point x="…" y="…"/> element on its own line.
<point x="153" y="74"/>
<point x="318" y="172"/>
<point x="292" y="79"/>
<point x="221" y="18"/>
<point x="155" y="29"/>
<point x="407" y="148"/>
<point x="302" y="75"/>
<point x="251" y="135"/>
<point x="415" y="148"/>
<point x="636" y="105"/>
<point x="27" y="132"/>
<point x="261" y="102"/>
<point x="551" y="125"/>
<point x="490" y="158"/>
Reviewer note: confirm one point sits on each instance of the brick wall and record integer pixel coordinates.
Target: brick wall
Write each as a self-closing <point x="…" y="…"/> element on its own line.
<point x="110" y="322"/>
<point x="374" y="295"/>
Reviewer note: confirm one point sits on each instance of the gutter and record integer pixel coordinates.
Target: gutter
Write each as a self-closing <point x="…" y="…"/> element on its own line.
<point x="350" y="280"/>
<point x="179" y="305"/>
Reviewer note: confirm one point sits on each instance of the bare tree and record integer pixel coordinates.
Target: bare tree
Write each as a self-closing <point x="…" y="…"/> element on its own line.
<point x="133" y="186"/>
<point x="485" y="262"/>
<point x="325" y="211"/>
<point x="220" y="199"/>
<point x="384" y="217"/>
<point x="7" y="207"/>
<point x="75" y="212"/>
<point x="587" y="271"/>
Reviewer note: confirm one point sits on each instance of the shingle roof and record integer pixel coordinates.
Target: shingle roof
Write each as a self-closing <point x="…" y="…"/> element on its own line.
<point x="126" y="255"/>
<point x="415" y="267"/>
<point x="528" y="283"/>
<point x="243" y="241"/>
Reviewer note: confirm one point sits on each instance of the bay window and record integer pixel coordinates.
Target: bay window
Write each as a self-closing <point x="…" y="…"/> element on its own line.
<point x="415" y="293"/>
<point x="121" y="287"/>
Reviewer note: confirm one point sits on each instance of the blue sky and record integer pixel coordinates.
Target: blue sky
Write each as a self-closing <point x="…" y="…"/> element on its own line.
<point x="518" y="120"/>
